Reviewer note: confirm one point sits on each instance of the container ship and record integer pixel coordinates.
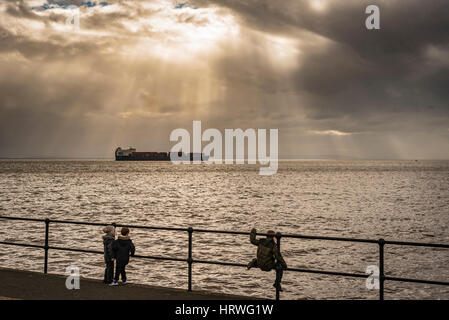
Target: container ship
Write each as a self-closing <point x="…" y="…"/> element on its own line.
<point x="131" y="154"/>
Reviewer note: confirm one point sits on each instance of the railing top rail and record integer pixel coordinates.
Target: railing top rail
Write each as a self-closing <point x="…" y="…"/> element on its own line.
<point x="21" y="218"/>
<point x="294" y="236"/>
<point x="288" y="235"/>
<point x="119" y="225"/>
<point x="417" y="244"/>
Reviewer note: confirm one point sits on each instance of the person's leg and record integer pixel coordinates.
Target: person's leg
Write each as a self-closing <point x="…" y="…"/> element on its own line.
<point x="106" y="274"/>
<point x="118" y="270"/>
<point x="113" y="266"/>
<point x="279" y="274"/>
<point x="252" y="263"/>
<point x="109" y="272"/>
<point x="123" y="273"/>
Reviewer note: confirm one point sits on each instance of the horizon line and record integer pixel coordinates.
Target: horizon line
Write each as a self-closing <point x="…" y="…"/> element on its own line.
<point x="280" y="159"/>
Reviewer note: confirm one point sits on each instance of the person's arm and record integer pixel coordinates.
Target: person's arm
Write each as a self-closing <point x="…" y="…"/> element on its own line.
<point x="109" y="250"/>
<point x="114" y="249"/>
<point x="278" y="256"/>
<point x="132" y="249"/>
<point x="252" y="237"/>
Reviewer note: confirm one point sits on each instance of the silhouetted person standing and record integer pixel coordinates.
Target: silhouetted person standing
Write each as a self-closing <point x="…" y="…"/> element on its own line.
<point x="108" y="240"/>
<point x="268" y="256"/>
<point x="122" y="248"/>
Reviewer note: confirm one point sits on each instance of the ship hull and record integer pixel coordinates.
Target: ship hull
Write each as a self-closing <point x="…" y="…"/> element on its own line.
<point x="119" y="158"/>
<point x="158" y="157"/>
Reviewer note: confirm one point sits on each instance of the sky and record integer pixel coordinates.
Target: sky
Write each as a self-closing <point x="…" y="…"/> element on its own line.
<point x="133" y="71"/>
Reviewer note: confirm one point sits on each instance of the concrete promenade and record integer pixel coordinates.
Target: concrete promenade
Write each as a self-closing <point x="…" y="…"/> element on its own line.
<point x="15" y="284"/>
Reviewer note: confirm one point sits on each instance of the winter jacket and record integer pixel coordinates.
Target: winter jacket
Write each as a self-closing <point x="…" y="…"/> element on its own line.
<point x="122" y="248"/>
<point x="107" y="243"/>
<point x="267" y="253"/>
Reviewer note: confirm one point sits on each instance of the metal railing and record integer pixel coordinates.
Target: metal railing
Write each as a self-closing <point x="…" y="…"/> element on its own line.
<point x="380" y="242"/>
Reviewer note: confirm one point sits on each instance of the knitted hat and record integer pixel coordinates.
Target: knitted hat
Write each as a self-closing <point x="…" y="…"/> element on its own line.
<point x="109" y="230"/>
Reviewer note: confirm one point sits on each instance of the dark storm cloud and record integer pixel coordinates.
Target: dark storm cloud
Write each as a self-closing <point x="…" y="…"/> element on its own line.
<point x="406" y="25"/>
<point x="362" y="71"/>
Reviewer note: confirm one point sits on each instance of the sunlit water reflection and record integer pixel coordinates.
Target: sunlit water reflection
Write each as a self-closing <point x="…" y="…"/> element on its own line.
<point x="400" y="200"/>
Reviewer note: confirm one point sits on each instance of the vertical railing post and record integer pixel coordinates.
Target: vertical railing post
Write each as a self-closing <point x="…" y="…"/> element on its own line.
<point x="189" y="258"/>
<point x="47" y="226"/>
<point x="278" y="284"/>
<point x="381" y="268"/>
